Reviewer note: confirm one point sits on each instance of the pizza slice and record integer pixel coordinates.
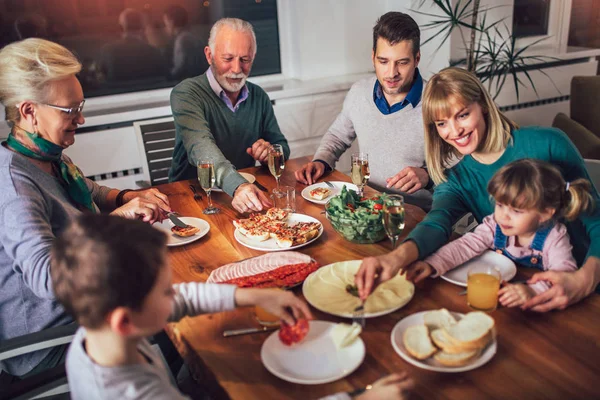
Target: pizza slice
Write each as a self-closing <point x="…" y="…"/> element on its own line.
<point x="184" y="232"/>
<point x="320" y="193"/>
<point x="277" y="214"/>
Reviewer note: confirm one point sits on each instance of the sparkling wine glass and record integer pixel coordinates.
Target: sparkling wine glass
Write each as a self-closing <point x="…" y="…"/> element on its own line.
<point x="206" y="178"/>
<point x="393" y="217"/>
<point x="360" y="171"/>
<point x="276" y="161"/>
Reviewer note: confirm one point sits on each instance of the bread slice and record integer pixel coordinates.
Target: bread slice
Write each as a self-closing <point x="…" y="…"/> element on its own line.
<point x="439" y="319"/>
<point x="472" y="332"/>
<point x="456" y="359"/>
<point x="319" y="193"/>
<point x="417" y="342"/>
<point x="442" y="342"/>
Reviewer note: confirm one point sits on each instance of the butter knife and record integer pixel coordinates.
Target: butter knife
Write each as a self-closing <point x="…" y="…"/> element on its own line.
<point x="261" y="187"/>
<point x="246" y="331"/>
<point x="176" y="221"/>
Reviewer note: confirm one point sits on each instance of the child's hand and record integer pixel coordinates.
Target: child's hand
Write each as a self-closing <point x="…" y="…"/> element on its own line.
<point x="515" y="295"/>
<point x="392" y="387"/>
<point x="418" y="271"/>
<point x="281" y="303"/>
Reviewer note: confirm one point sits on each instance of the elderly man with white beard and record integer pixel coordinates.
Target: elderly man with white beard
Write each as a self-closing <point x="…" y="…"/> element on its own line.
<point x="221" y="117"/>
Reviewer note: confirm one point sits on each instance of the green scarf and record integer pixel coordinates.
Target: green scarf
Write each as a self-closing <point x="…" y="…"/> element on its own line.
<point x="34" y="146"/>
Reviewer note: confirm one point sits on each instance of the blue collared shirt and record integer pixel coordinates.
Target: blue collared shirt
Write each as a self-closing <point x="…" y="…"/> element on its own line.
<point x="413" y="97"/>
<point x="212" y="81"/>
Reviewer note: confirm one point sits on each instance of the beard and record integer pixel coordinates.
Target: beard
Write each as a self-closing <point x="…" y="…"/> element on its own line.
<point x="226" y="85"/>
<point x="402" y="89"/>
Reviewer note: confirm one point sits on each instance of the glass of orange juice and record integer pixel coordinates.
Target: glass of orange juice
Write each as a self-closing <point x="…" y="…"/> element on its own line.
<point x="265" y="318"/>
<point x="483" y="283"/>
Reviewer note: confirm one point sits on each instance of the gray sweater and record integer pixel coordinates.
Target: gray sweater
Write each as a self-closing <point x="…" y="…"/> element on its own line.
<point x="34" y="209"/>
<point x="393" y="141"/>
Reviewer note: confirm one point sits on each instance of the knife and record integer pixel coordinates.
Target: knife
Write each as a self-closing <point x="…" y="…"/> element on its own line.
<point x="261" y="187"/>
<point x="176" y="221"/>
<point x="245" y="331"/>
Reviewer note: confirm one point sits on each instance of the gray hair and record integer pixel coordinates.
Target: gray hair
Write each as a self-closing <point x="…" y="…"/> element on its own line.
<point x="26" y="68"/>
<point x="235" y="24"/>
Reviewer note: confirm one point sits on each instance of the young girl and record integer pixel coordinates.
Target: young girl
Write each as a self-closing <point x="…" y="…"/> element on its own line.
<point x="530" y="197"/>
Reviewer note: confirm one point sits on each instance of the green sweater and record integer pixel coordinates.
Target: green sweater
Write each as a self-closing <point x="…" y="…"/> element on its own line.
<point x="466" y="191"/>
<point x="207" y="129"/>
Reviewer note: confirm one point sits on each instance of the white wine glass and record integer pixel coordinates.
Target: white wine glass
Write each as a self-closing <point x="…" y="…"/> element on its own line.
<point x="206" y="178"/>
<point x="393" y="217"/>
<point x="276" y="161"/>
<point x="360" y="171"/>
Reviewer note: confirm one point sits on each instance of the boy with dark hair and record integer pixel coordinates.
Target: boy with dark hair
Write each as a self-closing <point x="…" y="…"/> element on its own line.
<point x="112" y="275"/>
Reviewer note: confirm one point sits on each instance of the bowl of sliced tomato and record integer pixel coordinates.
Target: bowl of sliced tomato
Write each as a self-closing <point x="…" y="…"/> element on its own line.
<point x="357" y="219"/>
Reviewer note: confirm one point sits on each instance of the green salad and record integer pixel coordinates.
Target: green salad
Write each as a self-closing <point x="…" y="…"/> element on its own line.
<point x="357" y="219"/>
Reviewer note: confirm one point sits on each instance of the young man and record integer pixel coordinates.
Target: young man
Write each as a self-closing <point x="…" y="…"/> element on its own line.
<point x="220" y="116"/>
<point x="94" y="263"/>
<point x="384" y="114"/>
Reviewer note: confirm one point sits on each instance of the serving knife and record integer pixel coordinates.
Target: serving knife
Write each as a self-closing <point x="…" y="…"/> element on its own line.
<point x="246" y="331"/>
<point x="173" y="217"/>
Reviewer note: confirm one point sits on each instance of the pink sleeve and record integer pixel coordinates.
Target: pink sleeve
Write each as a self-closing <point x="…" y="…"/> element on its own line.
<point x="557" y="255"/>
<point x="463" y="249"/>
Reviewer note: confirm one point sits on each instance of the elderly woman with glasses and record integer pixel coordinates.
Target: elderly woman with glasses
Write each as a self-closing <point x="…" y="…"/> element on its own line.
<point x="42" y="190"/>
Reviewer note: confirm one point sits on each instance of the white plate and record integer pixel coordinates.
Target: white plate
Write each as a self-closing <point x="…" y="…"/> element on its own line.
<point x="334" y="191"/>
<point x="249" y="177"/>
<point x="271" y="244"/>
<point x="325" y="289"/>
<point x="175" y="240"/>
<point x="505" y="265"/>
<point x="430" y="363"/>
<point x="313" y="361"/>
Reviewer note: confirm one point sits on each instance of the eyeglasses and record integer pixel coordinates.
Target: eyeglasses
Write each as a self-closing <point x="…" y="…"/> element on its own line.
<point x="68" y="110"/>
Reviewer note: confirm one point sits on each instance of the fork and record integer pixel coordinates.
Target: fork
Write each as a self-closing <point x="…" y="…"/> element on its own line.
<point x="358" y="315"/>
<point x="197" y="196"/>
<point x="331" y="185"/>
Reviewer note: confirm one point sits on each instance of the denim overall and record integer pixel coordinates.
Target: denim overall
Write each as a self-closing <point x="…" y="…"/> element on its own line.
<point x="534" y="260"/>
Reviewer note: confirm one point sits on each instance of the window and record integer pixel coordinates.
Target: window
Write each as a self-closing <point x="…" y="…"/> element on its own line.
<point x="530" y="18"/>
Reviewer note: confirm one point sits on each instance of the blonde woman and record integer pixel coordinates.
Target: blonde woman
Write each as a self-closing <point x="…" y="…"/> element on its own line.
<point x="462" y="122"/>
<point x="42" y="190"/>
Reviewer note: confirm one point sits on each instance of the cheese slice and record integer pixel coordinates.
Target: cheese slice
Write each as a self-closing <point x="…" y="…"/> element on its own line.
<point x="344" y="334"/>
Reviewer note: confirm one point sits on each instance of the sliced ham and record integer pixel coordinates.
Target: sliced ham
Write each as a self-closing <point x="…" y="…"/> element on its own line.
<point x="257" y="265"/>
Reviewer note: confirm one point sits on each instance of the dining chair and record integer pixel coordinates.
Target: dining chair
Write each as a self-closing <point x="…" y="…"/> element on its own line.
<point x="156" y="141"/>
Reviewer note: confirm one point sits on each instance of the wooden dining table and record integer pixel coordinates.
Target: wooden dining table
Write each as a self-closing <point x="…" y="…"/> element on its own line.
<point x="554" y="355"/>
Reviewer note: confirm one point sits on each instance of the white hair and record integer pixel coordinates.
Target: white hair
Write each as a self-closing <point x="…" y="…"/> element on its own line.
<point x="26" y="68"/>
<point x="235" y="24"/>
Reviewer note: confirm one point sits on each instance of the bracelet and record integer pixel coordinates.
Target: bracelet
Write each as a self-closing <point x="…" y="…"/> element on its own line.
<point x="120" y="196"/>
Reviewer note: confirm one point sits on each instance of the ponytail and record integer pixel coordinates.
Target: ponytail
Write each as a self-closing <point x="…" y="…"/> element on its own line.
<point x="578" y="199"/>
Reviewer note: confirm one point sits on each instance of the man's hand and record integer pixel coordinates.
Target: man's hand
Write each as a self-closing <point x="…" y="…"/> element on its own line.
<point x="309" y="173"/>
<point x="259" y="150"/>
<point x="248" y="198"/>
<point x="409" y="180"/>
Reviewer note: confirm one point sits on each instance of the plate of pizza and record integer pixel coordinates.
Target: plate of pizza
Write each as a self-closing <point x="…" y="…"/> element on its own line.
<point x="277" y="230"/>
<point x="320" y="192"/>
<point x="196" y="228"/>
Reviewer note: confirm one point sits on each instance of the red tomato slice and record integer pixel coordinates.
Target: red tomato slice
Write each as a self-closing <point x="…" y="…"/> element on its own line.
<point x="290" y="334"/>
<point x="377" y="206"/>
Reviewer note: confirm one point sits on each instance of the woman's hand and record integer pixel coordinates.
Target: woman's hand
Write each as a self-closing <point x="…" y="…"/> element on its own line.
<point x="139" y="208"/>
<point x="152" y="195"/>
<point x="280" y="303"/>
<point x="418" y="271"/>
<point x="567" y="287"/>
<point x="391" y="387"/>
<point x="514" y="295"/>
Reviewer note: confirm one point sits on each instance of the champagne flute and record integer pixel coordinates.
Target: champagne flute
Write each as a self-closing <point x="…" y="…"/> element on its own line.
<point x="393" y="217"/>
<point x="360" y="171"/>
<point x="206" y="178"/>
<point x="276" y="161"/>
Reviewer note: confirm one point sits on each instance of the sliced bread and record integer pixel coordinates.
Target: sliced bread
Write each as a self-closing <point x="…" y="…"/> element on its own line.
<point x="417" y="342"/>
<point x="441" y="341"/>
<point x="456" y="359"/>
<point x="471" y="332"/>
<point x="439" y="319"/>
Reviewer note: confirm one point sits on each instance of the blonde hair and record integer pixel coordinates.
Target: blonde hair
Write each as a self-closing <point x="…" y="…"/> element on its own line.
<point x="26" y="68"/>
<point x="531" y="184"/>
<point x="236" y="24"/>
<point x="464" y="88"/>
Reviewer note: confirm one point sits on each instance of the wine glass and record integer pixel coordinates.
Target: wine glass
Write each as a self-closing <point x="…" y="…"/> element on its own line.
<point x="393" y="217"/>
<point x="276" y="161"/>
<point x="360" y="171"/>
<point x="206" y="178"/>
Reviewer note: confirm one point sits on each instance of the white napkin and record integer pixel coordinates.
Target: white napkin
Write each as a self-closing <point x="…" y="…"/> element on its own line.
<point x="344" y="334"/>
